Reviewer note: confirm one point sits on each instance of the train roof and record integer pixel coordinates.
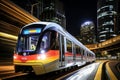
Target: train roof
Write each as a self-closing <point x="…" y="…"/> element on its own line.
<point x="59" y="29"/>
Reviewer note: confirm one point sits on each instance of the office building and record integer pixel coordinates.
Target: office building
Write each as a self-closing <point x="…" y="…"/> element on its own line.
<point x="87" y="33"/>
<point x="53" y="10"/>
<point x="108" y="19"/>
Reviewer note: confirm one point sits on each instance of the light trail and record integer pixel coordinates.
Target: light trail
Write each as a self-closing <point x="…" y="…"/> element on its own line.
<point x="8" y="36"/>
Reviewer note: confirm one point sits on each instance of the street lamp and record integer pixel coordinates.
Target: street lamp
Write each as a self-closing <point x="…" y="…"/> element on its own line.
<point x="33" y="7"/>
<point x="39" y="8"/>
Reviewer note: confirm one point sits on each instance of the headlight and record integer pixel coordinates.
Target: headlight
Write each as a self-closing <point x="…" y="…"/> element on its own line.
<point x="42" y="51"/>
<point x="42" y="56"/>
<point x="15" y="57"/>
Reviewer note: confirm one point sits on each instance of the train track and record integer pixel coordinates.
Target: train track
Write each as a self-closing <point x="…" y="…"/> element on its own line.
<point x="31" y="76"/>
<point x="110" y="71"/>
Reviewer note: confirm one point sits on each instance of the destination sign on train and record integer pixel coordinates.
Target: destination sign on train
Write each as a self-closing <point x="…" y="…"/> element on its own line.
<point x="32" y="31"/>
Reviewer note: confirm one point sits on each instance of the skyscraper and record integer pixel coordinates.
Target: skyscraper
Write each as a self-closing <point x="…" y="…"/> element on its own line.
<point x="87" y="33"/>
<point x="53" y="10"/>
<point x="108" y="18"/>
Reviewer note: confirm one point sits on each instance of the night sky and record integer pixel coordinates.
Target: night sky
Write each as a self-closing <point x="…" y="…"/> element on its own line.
<point x="79" y="11"/>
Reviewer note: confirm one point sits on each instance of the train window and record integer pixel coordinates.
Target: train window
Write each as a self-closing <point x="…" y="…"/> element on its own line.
<point x="33" y="42"/>
<point x="77" y="49"/>
<point x="27" y="43"/>
<point x="83" y="53"/>
<point x="45" y="43"/>
<point x="69" y="46"/>
<point x="21" y="44"/>
<point x="49" y="40"/>
<point x="54" y="40"/>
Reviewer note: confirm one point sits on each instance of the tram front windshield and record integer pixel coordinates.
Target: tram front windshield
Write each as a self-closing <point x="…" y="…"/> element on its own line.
<point x="28" y="40"/>
<point x="27" y="43"/>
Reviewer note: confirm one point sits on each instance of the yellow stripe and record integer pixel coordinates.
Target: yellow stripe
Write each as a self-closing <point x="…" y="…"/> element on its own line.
<point x="111" y="74"/>
<point x="44" y="61"/>
<point x="98" y="75"/>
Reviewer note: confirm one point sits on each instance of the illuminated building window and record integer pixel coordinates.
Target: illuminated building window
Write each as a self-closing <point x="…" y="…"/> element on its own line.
<point x="110" y="16"/>
<point x="111" y="7"/>
<point x="107" y="29"/>
<point x="111" y="30"/>
<point x="102" y="35"/>
<point x="102" y="40"/>
<point x="103" y="32"/>
<point x="108" y="23"/>
<point x="113" y="35"/>
<point x="106" y="14"/>
<point x="107" y="6"/>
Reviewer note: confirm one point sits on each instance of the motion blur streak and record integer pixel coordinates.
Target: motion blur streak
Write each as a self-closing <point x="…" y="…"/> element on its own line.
<point x="8" y="36"/>
<point x="83" y="73"/>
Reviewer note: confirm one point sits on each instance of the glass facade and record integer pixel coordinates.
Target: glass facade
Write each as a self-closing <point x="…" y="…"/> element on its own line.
<point x="53" y="10"/>
<point x="107" y="19"/>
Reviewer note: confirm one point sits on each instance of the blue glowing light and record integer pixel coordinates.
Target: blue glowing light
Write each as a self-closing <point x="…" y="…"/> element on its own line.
<point x="26" y="32"/>
<point x="32" y="31"/>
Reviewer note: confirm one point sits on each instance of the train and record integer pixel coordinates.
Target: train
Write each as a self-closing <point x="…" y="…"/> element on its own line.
<point x="43" y="47"/>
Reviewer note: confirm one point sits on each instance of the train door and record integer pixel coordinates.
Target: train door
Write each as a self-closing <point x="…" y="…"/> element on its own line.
<point x="62" y="51"/>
